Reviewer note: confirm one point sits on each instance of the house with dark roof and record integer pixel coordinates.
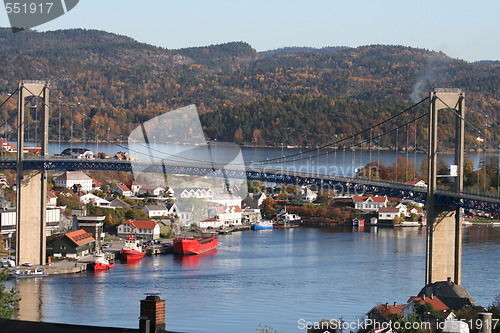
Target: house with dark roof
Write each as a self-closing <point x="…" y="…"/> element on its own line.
<point x="253" y="200"/>
<point x="74" y="244"/>
<point x="455" y="296"/>
<point x="117" y="203"/>
<point x="139" y="228"/>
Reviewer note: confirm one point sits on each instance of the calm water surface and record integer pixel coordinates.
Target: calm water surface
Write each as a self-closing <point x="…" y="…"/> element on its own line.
<point x="272" y="277"/>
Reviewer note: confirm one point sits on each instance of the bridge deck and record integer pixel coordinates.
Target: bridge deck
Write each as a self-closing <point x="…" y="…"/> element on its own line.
<point x="357" y="186"/>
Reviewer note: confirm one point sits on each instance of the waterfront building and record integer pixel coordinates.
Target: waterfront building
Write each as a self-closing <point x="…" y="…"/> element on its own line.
<point x="70" y="179"/>
<point x="93" y="224"/>
<point x="227" y="215"/>
<point x="139" y="228"/>
<point x="7" y="146"/>
<point x="370" y="204"/>
<point x="79" y="153"/>
<point x="251" y="215"/>
<point x="74" y="244"/>
<point x="389" y="213"/>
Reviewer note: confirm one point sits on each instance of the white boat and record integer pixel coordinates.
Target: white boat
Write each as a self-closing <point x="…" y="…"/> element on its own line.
<point x="262" y="225"/>
<point x="27" y="273"/>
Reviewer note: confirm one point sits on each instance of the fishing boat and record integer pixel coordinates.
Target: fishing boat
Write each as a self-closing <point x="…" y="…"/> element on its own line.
<point x="262" y="225"/>
<point x="100" y="263"/>
<point x="287" y="220"/>
<point x="195" y="244"/>
<point x="132" y="250"/>
<point x="27" y="273"/>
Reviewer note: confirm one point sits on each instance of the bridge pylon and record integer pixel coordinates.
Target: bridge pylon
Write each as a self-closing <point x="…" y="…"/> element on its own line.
<point x="31" y="184"/>
<point x="444" y="228"/>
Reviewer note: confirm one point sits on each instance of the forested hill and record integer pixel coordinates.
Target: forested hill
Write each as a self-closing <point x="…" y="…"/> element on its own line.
<point x="297" y="96"/>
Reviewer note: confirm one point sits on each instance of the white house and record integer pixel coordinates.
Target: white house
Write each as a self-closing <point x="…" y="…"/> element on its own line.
<point x="152" y="190"/>
<point x="156" y="210"/>
<point x="369" y="204"/>
<point x="436" y="303"/>
<point x="211" y="223"/>
<point x="228" y="215"/>
<point x="71" y="178"/>
<point x="226" y="199"/>
<point x="133" y="186"/>
<point x="389" y="213"/>
<point x="199" y="193"/>
<point x="139" y="228"/>
<point x="51" y="199"/>
<point x="94" y="200"/>
<point x="308" y="195"/>
<point x="419" y="183"/>
<point x="123" y="190"/>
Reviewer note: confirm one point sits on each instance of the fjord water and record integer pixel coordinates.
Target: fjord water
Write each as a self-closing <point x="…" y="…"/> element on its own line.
<point x="270" y="277"/>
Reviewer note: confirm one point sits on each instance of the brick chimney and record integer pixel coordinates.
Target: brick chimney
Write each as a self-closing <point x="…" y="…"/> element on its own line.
<point x="153" y="309"/>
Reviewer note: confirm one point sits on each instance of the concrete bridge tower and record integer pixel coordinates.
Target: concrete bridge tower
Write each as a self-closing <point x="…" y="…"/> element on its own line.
<point x="31" y="184"/>
<point x="444" y="229"/>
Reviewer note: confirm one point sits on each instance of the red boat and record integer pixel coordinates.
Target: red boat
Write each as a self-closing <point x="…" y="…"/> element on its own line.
<point x="132" y="250"/>
<point x="195" y="245"/>
<point x="100" y="263"/>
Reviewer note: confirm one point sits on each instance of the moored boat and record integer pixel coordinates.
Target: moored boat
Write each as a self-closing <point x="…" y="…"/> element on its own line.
<point x="132" y="250"/>
<point x="100" y="263"/>
<point x="195" y="245"/>
<point x="262" y="225"/>
<point x="27" y="273"/>
<point x="287" y="220"/>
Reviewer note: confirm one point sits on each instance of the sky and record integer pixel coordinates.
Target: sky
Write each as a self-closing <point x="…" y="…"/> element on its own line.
<point x="467" y="30"/>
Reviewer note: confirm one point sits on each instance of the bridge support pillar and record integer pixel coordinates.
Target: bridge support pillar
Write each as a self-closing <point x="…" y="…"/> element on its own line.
<point x="31" y="185"/>
<point x="444" y="228"/>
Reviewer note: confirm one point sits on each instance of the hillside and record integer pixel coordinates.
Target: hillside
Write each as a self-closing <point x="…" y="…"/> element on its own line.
<point x="301" y="96"/>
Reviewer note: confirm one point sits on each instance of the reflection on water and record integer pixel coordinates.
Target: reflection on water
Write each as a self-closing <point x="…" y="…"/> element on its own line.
<point x="31" y="293"/>
<point x="306" y="273"/>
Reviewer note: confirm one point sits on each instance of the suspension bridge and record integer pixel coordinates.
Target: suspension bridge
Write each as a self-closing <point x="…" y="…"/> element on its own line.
<point x="444" y="201"/>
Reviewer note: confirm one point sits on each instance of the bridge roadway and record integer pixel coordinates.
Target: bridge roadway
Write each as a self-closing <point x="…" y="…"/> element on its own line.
<point x="352" y="185"/>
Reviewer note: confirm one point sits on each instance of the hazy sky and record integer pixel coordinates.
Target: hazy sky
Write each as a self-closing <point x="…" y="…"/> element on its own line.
<point x="468" y="30"/>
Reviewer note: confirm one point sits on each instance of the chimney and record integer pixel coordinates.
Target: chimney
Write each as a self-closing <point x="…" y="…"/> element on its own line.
<point x="423" y="297"/>
<point x="432" y="296"/>
<point x="395" y="303"/>
<point x="386" y="305"/>
<point x="152" y="314"/>
<point x="449" y="280"/>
